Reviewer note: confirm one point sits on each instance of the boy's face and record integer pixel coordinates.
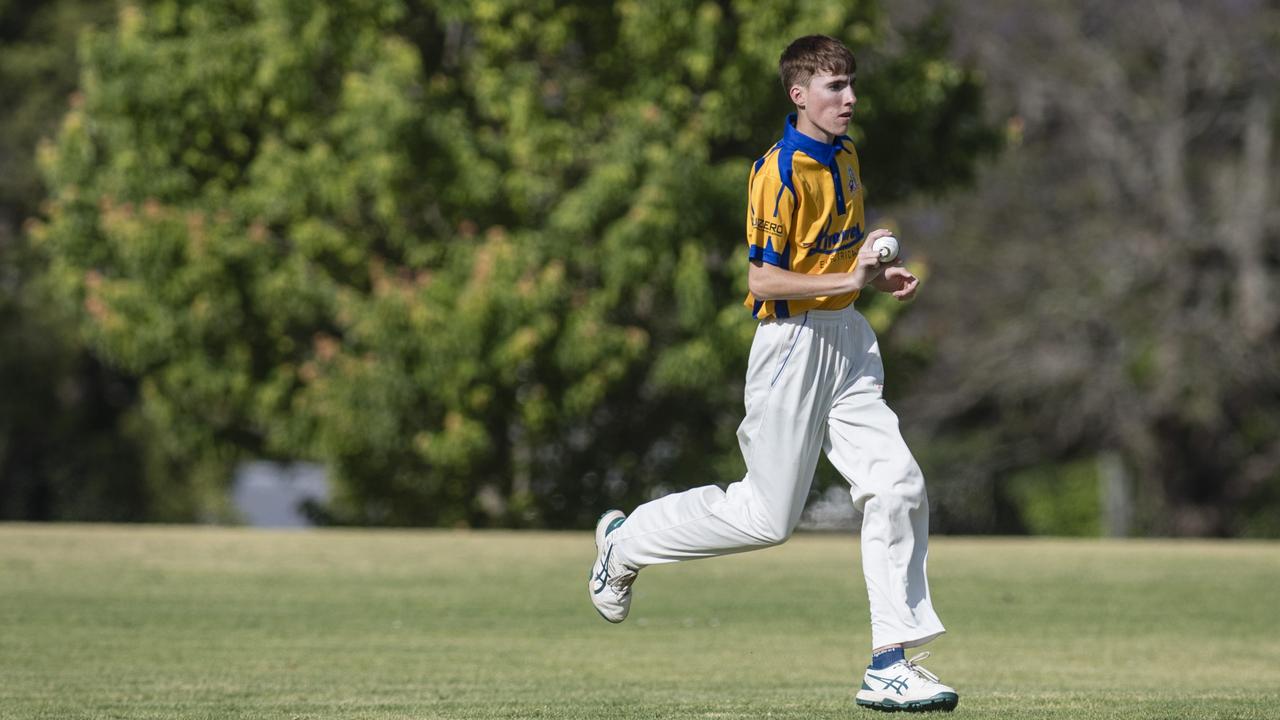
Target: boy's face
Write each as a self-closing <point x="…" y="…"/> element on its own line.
<point x="827" y="102"/>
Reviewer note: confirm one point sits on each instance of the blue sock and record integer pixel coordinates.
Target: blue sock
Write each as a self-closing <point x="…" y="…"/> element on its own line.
<point x="885" y="658"/>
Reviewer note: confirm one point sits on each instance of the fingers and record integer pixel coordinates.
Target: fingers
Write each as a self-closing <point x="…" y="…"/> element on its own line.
<point x="908" y="290"/>
<point x="898" y="273"/>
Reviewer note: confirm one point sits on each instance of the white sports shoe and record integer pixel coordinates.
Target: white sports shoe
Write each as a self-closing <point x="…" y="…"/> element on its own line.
<point x="610" y="581"/>
<point x="906" y="685"/>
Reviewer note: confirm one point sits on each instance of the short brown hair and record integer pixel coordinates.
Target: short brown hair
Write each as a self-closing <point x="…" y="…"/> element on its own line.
<point x="812" y="54"/>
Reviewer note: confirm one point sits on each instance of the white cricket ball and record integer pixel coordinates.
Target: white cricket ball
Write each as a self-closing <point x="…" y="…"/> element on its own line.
<point x="887" y="247"/>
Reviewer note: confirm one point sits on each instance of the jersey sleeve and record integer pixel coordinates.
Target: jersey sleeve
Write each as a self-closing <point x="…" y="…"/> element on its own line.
<point x="770" y="214"/>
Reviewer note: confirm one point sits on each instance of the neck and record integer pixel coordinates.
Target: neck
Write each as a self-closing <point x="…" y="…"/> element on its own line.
<point x="806" y="127"/>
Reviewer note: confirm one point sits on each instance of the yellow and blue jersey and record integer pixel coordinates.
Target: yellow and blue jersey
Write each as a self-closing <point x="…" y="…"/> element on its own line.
<point x="804" y="214"/>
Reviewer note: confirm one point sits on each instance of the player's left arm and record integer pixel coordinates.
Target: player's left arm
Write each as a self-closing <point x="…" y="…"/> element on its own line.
<point x="898" y="280"/>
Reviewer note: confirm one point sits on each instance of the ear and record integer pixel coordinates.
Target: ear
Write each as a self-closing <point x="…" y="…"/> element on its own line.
<point x="798" y="95"/>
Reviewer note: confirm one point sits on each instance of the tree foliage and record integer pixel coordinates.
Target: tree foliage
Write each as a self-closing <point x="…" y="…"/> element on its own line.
<point x="1134" y="316"/>
<point x="482" y="259"/>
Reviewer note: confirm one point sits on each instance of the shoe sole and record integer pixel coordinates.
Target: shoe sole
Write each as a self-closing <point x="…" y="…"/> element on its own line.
<point x="944" y="702"/>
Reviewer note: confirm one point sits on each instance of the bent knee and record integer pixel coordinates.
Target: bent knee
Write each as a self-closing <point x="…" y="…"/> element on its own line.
<point x="774" y="535"/>
<point x="907" y="489"/>
<point x="767" y="531"/>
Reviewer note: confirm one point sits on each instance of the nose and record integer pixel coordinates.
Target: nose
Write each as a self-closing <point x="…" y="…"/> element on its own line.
<point x="853" y="98"/>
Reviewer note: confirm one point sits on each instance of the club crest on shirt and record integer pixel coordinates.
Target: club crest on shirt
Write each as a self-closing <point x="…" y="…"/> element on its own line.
<point x="853" y="180"/>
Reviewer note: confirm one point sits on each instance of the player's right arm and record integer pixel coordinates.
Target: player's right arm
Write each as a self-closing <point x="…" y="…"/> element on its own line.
<point x="768" y="281"/>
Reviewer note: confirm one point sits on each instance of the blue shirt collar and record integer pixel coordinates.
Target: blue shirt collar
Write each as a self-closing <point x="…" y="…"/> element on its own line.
<point x="823" y="153"/>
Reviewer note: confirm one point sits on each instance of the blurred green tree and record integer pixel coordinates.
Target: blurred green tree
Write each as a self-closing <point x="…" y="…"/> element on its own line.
<point x="65" y="451"/>
<point x="481" y="259"/>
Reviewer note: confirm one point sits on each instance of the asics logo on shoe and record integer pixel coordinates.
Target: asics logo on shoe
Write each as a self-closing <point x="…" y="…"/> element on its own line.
<point x="602" y="577"/>
<point x="897" y="684"/>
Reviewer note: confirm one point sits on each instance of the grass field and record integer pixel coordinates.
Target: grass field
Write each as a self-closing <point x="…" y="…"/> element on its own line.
<point x="148" y="622"/>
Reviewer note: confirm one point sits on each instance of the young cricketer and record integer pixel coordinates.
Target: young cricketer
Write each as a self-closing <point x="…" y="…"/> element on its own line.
<point x="814" y="381"/>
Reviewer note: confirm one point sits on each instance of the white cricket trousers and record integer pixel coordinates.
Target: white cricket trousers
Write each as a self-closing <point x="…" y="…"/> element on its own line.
<point x="813" y="383"/>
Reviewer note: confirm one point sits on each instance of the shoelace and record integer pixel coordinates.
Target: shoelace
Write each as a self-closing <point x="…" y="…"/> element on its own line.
<point x="623" y="581"/>
<point x="619" y="582"/>
<point x="914" y="666"/>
